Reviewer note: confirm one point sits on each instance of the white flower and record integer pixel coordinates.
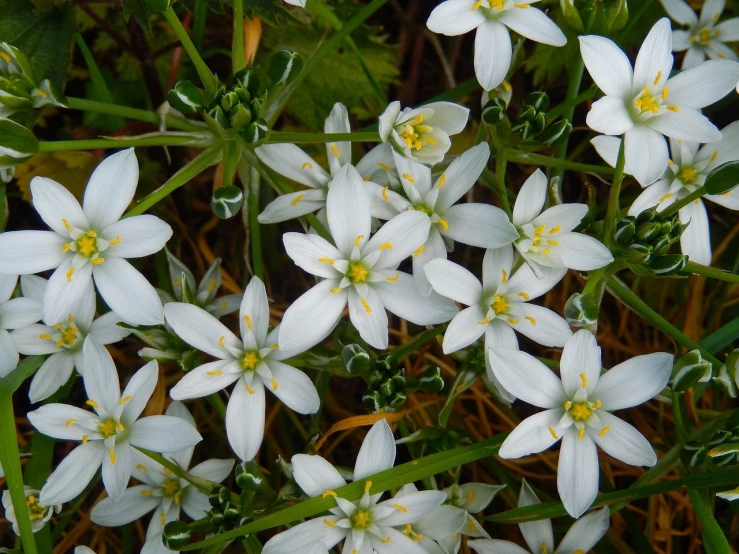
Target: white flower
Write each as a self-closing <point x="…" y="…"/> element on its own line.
<point x="204" y="293"/>
<point x="578" y="411"/>
<point x="14" y="314"/>
<point x="292" y="162"/>
<point x="364" y="524"/>
<point x="687" y="171"/>
<point x="253" y="362"/>
<point x="471" y="498"/>
<point x="729" y="495"/>
<point x="547" y="238"/>
<point x="64" y="340"/>
<point x="422" y="134"/>
<point x="109" y="433"/>
<point x="38" y="513"/>
<point x="498" y="306"/>
<point x="359" y="271"/>
<point x="162" y="491"/>
<point x="83" y="550"/>
<point x="492" y="19"/>
<point x="581" y="537"/>
<point x="644" y="103"/>
<point x="299" y="3"/>
<point x="475" y="224"/>
<point x="704" y="36"/>
<point x="91" y="240"/>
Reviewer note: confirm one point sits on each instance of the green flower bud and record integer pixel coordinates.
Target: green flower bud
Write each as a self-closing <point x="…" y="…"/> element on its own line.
<point x="524" y="129"/>
<point x="618" y="15"/>
<point x="15" y="94"/>
<point x="226" y="201"/>
<point x="538" y="100"/>
<point x="646" y="215"/>
<point x="243" y="94"/>
<point x="494" y="111"/>
<point x="284" y="67"/>
<point x="376" y="378"/>
<point x="387" y="387"/>
<point x="239" y="117"/>
<point x="386" y="362"/>
<point x="677" y="229"/>
<point x="17" y="144"/>
<point x="581" y="310"/>
<point x="625" y="231"/>
<point x="397" y="399"/>
<point x="373" y="400"/>
<point x="728" y="449"/>
<point x="638" y="253"/>
<point x="431" y="380"/>
<point x="661" y="246"/>
<point x="185" y="97"/>
<point x="539" y="123"/>
<point x="728" y="376"/>
<point x="398" y="377"/>
<point x="528" y="113"/>
<point x="723" y="178"/>
<point x="646" y="231"/>
<point x="572" y="16"/>
<point x="249" y="476"/>
<point x="216" y="518"/>
<point x="231" y="513"/>
<point x="176" y="534"/>
<point x="224" y="495"/>
<point x="256" y="131"/>
<point x="356" y="359"/>
<point x="690" y="369"/>
<point x="248" y="79"/>
<point x="556" y="133"/>
<point x="213" y="499"/>
<point x="699" y="455"/>
<point x="218" y="117"/>
<point x="257" y="108"/>
<point x="46" y="94"/>
<point x="667" y="265"/>
<point x="229" y="100"/>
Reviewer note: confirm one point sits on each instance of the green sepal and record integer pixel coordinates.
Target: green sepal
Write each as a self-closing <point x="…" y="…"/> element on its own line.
<point x="356" y="359"/>
<point x="227" y="201"/>
<point x="185" y="97"/>
<point x="176" y="534"/>
<point x="581" y="310"/>
<point x="723" y="179"/>
<point x="284" y="67"/>
<point x="556" y="133"/>
<point x="17" y="144"/>
<point x="690" y="369"/>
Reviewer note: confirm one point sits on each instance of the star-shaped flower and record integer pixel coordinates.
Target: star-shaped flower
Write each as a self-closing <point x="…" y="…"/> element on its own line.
<point x="38" y="513"/>
<point x="15" y="313"/>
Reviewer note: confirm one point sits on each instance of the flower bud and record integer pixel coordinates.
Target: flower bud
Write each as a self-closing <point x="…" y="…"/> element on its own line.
<point x="647" y="230"/>
<point x="539" y="100"/>
<point x="219" y="118"/>
<point x="397" y="399"/>
<point x="249" y="476"/>
<point x="17" y="144"/>
<point x="398" y="378"/>
<point x="14" y="62"/>
<point x="46" y="94"/>
<point x="185" y="97"/>
<point x="376" y="378"/>
<point x="646" y="215"/>
<point x="431" y="380"/>
<point x="572" y="16"/>
<point x="176" y="534"/>
<point x="256" y="131"/>
<point x="248" y="79"/>
<point x="690" y="369"/>
<point x="581" y="310"/>
<point x="556" y="133"/>
<point x="373" y="400"/>
<point x="625" y="231"/>
<point x="239" y="116"/>
<point x="356" y="359"/>
<point x="284" y="67"/>
<point x="728" y="376"/>
<point x="661" y="246"/>
<point x="387" y="387"/>
<point x="229" y="100"/>
<point x="243" y="94"/>
<point x="528" y="113"/>
<point x="386" y="362"/>
<point x="524" y="129"/>
<point x="667" y="265"/>
<point x="15" y="94"/>
<point x="494" y="111"/>
<point x="539" y="123"/>
<point x="226" y="201"/>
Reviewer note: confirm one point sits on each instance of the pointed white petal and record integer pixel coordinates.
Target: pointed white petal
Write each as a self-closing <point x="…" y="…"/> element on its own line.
<point x="729" y="199"/>
<point x="213" y="470"/>
<point x="20" y="312"/>
<point x="66" y="291"/>
<point x="464" y="329"/>
<point x="131" y="506"/>
<point x="650" y="197"/>
<point x="711" y="11"/>
<point x="695" y="241"/>
<point x="479" y="225"/>
<point x="496" y="267"/>
<point x="200" y="329"/>
<point x="532" y="435"/>
<point x="729" y="30"/>
<point x="294" y="388"/>
<point x="566" y="216"/>
<point x="461" y="175"/>
<point x="607" y="64"/>
<point x="537" y="534"/>
<point x="402" y="298"/>
<point x="52" y="374"/>
<point x="386" y="204"/>
<point x="315" y="475"/>
<point x="206" y="379"/>
<point x="634" y="381"/>
<point x="442" y="523"/>
<point x="245" y="419"/>
<point x="7" y="287"/>
<point x="138" y="391"/>
<point x="33" y="286"/>
<point x="23" y="252"/>
<point x="609" y="116"/>
<point x="312" y="253"/>
<point x="348" y="208"/>
<point x="434" y="248"/>
<point x="339" y="153"/>
<point x="415" y="178"/>
<point x="491" y="70"/>
<point x="255" y="307"/>
<point x="127" y="292"/>
<point x="106" y="329"/>
<point x="294" y="204"/>
<point x="530" y="199"/>
<point x="163" y="433"/>
<point x="295" y="539"/>
<point x="478" y="496"/>
<point x="62" y="421"/>
<point x="679" y="11"/>
<point x="680" y="40"/>
<point x="195" y="503"/>
<point x="377" y="452"/>
<point x="577" y="472"/>
<point x="111" y="189"/>
<point x="455" y="17"/>
<point x="73" y="474"/>
<point x="687" y="124"/>
<point x="101" y="376"/>
<point x="495" y="546"/>
<point x="55" y="204"/>
<point x="453" y="281"/>
<point x="607" y="148"/>
<point x="581" y="354"/>
<point x="290" y="161"/>
<point x="140" y="236"/>
<point x="654" y="61"/>
<point x="369" y="317"/>
<point x="117" y="466"/>
<point x="399" y="238"/>
<point x="27" y="340"/>
<point x="622" y="441"/>
<point x="526" y="282"/>
<point x="526" y="377"/>
<point x="725" y="150"/>
<point x="540" y="324"/>
<point x="183" y="457"/>
<point x="393" y="542"/>
<point x="415" y="506"/>
<point x="582" y="252"/>
<point x="534" y="25"/>
<point x="387" y="120"/>
<point x="451" y="118"/>
<point x="586" y="531"/>
<point x="704" y="84"/>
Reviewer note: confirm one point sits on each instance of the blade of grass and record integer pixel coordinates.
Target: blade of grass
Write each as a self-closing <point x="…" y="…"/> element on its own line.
<point x="98" y="82"/>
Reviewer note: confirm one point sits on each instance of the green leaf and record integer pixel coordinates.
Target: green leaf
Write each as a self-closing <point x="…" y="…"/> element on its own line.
<point x="722" y="338"/>
<point x="44" y="36"/>
<point x="140" y="10"/>
<point x="723" y="179"/>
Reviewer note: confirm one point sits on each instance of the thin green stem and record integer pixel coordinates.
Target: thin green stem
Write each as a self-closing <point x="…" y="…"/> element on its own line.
<point x="231" y="156"/>
<point x="573" y="87"/>
<point x="237" y="44"/>
<point x="500" y="171"/>
<point x="193" y="168"/>
<point x="612" y="211"/>
<point x="568" y="106"/>
<point x="405" y="350"/>
<point x="98" y="81"/>
<point x="206" y="75"/>
<point x="303" y="138"/>
<point x="678" y="416"/>
<point x="673" y="208"/>
<point x="94" y="144"/>
<point x="712" y="272"/>
<point x="525" y="158"/>
<point x="131" y="113"/>
<point x="712" y="532"/>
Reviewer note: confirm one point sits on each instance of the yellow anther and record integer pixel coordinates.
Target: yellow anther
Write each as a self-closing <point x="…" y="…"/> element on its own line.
<point x="401" y="508"/>
<point x="470" y="496"/>
<point x="584" y="379"/>
<point x="475" y="7"/>
<point x="125" y="399"/>
<point x="167" y="470"/>
<point x="386" y="246"/>
<point x="221" y="343"/>
<point x="297" y="199"/>
<point x="431" y="141"/>
<point x="247" y="320"/>
<point x="499" y="304"/>
<point x="177" y="497"/>
<point x="420" y="249"/>
<point x="59" y="343"/>
<point x="383" y="166"/>
<point x="658" y="77"/>
<point x="274" y="384"/>
<point x="307" y="165"/>
<point x="666" y="196"/>
<point x="91" y="234"/>
<point x="673" y="108"/>
<point x="45" y="336"/>
<point x="524" y="296"/>
<point x="604" y="431"/>
<point x="143" y="468"/>
<point x="384" y="193"/>
<point x="223" y="305"/>
<point x="358" y="239"/>
<point x="334" y="149"/>
<point x="368" y="484"/>
<point x="556" y="229"/>
<point x="418" y="120"/>
<point x="214" y="373"/>
<point x="70" y="422"/>
<point x="665" y="92"/>
<point x="7" y="58"/>
<point x="111" y="452"/>
<point x="544" y="545"/>
<point x="274" y="346"/>
<point x="328" y="493"/>
<point x="546" y="251"/>
<point x="323" y="261"/>
<point x="69" y="274"/>
<point x="553" y="433"/>
<point x="581" y="434"/>
<point x="145" y="493"/>
<point x="386" y="540"/>
<point x="119" y="426"/>
<point x="531" y="319"/>
<point x="393" y="278"/>
<point x="249" y="389"/>
<point x="727" y="193"/>
<point x="162" y="519"/>
<point x="366" y="306"/>
<point x="485" y="321"/>
<point x="688" y="175"/>
<point x="442" y="180"/>
<point x="211" y="285"/>
<point x="67" y="225"/>
<point x="66" y="247"/>
<point x="115" y="241"/>
<point x="409" y="177"/>
<point x="553" y="242"/>
<point x="505" y="276"/>
<point x="97" y="261"/>
<point x="522" y="6"/>
<point x="597" y="405"/>
<point x="444" y="224"/>
<point x="506" y="86"/>
<point x="335" y="291"/>
<point x="713" y="156"/>
<point x="512" y="321"/>
<point x="92" y="403"/>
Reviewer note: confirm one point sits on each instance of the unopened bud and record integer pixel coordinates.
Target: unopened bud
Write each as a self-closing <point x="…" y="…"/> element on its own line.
<point x="176" y="534"/>
<point x="239" y="117"/>
<point x="670" y="264"/>
<point x="494" y="111"/>
<point x="229" y="100"/>
<point x="539" y="100"/>
<point x="431" y="380"/>
<point x="284" y="67"/>
<point x="226" y="201"/>
<point x="556" y="133"/>
<point x="356" y="359"/>
<point x="373" y="400"/>
<point x="17" y="144"/>
<point x="185" y="97"/>
<point x="249" y="476"/>
<point x="248" y="79"/>
<point x="581" y="310"/>
<point x="386" y="362"/>
<point x="625" y="231"/>
<point x="256" y="131"/>
<point x="690" y="369"/>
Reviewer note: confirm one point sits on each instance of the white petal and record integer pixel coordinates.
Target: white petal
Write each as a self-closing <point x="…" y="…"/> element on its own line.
<point x="195" y="503"/>
<point x="416" y="505"/>
<point x="609" y="116"/>
<point x="62" y="421"/>
<point x="52" y="374"/>
<point x="607" y="64"/>
<point x="680" y="40"/>
<point x="607" y="148"/>
<point x="526" y="282"/>
<point x="55" y="204"/>
<point x="415" y="178"/>
<point x="654" y="61"/>
<point x="634" y="381"/>
<point x="461" y="175"/>
<point x="245" y="419"/>
<point x="256" y="308"/>
<point x="679" y="11"/>
<point x="729" y="30"/>
<point x="378" y="165"/>
<point x="307" y="251"/>
<point x="73" y="474"/>
<point x="479" y="225"/>
<point x="393" y="542"/>
<point x="526" y="377"/>
<point x="466" y="327"/>
<point x="704" y="84"/>
<point x="339" y="153"/>
<point x="294" y="388"/>
<point x="295" y="539"/>
<point x="495" y="546"/>
<point x="311" y="317"/>
<point x="695" y="241"/>
<point x="66" y="291"/>
<point x="500" y="335"/>
<point x="111" y="189"/>
<point x="387" y="120"/>
<point x="377" y="452"/>
<point x="116" y="474"/>
<point x="646" y="153"/>
<point x="725" y="150"/>
<point x="586" y="531"/>
<point x="127" y="292"/>
<point x="348" y="207"/>
<point x="443" y="522"/>
<point x="453" y="281"/>
<point x="566" y="216"/>
<point x="434" y="248"/>
<point x="294" y="204"/>
<point x="138" y="391"/>
<point x="200" y="329"/>
<point x="496" y="267"/>
<point x="101" y="376"/>
<point x="687" y="124"/>
<point x="729" y="199"/>
<point x="290" y="161"/>
<point x="693" y="58"/>
<point x="315" y="475"/>
<point x="205" y="379"/>
<point x="531" y="198"/>
<point x="183" y="457"/>
<point x="402" y="298"/>
<point x="537" y="534"/>
<point x="492" y="54"/>
<point x="369" y="317"/>
<point x="455" y="17"/>
<point x="20" y="312"/>
<point x="622" y="441"/>
<point x="162" y="433"/>
<point x="581" y="354"/>
<point x="577" y="472"/>
<point x="650" y="196"/>
<point x="399" y="238"/>
<point x="532" y="435"/>
<point x="140" y="236"/>
<point x="386" y="204"/>
<point x="478" y="496"/>
<point x="451" y="118"/>
<point x="213" y="470"/>
<point x="131" y="506"/>
<point x="34" y="286"/>
<point x="23" y="252"/>
<point x="540" y="324"/>
<point x="534" y="25"/>
<point x="27" y="340"/>
<point x="711" y="11"/>
<point x="106" y="329"/>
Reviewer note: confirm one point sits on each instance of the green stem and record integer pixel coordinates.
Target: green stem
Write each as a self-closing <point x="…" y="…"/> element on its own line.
<point x="97" y="80"/>
<point x="612" y="211"/>
<point x="276" y="107"/>
<point x="405" y="350"/>
<point x="526" y="158"/>
<point x="673" y="208"/>
<point x="231" y="157"/>
<point x="94" y="144"/>
<point x="712" y="532"/>
<point x="572" y="89"/>
<point x="623" y="293"/>
<point x="500" y="170"/>
<point x="131" y="113"/>
<point x="302" y="138"/>
<point x="9" y="453"/>
<point x="677" y="416"/>
<point x="203" y="160"/>
<point x="395" y="477"/>
<point x="568" y="106"/>
<point x="237" y="45"/>
<point x="198" y="482"/>
<point x="712" y="272"/>
<point x="206" y="75"/>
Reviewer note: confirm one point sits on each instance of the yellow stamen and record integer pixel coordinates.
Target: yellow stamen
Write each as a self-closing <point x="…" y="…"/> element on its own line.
<point x="125" y="399"/>
<point x="66" y="247"/>
<point x="444" y="224"/>
<point x="142" y="467"/>
<point x="524" y="296"/>
<point x="673" y="108"/>
<point x="553" y="242"/>
<point x="512" y="321"/>
<point x="356" y="240"/>
<point x="221" y="343"/>
<point x="70" y="422"/>
<point x="97" y="261"/>
<point x="368" y="484"/>
<point x="384" y="193"/>
<point x="603" y="431"/>
<point x="547" y="251"/>
<point x="366" y="306"/>
<point x="597" y="405"/>
<point x="7" y="58"/>
<point x="223" y="305"/>
<point x="247" y="320"/>
<point x="554" y="433"/>
<point x="442" y="180"/>
<point x="177" y="497"/>
<point x="214" y="373"/>
<point x="307" y="165"/>
<point x="470" y="496"/>
<point x="92" y="403"/>
<point x="274" y="384"/>
<point x="274" y="346"/>
<point x="69" y="274"/>
<point x="334" y="149"/>
<point x="409" y="178"/>
<point x="386" y="540"/>
<point x="45" y="336"/>
<point x="112" y="456"/>
<point x="475" y="7"/>
<point x="401" y="508"/>
<point x="249" y="389"/>
<point x="115" y="241"/>
<point x="145" y="493"/>
<point x="544" y="548"/>
<point x="666" y="196"/>
<point x="329" y="522"/>
<point x="297" y="199"/>
<point x="531" y="319"/>
<point x="162" y="518"/>
<point x="505" y="276"/>
<point x="323" y="261"/>
<point x="386" y="246"/>
<point x="584" y="379"/>
<point x="581" y="434"/>
<point x="393" y="279"/>
<point x="420" y="249"/>
<point x="486" y="320"/>
<point x="67" y="225"/>
<point x="335" y="291"/>
<point x="328" y="493"/>
<point x="522" y="6"/>
<point x="384" y="166"/>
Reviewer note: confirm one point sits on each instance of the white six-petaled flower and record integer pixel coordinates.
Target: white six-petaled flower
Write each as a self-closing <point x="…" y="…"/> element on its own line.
<point x="577" y="410"/>
<point x="253" y="362"/>
<point x="39" y="514"/>
<point x="365" y="525"/>
<point x="644" y="103"/>
<point x="492" y="19"/>
<point x="162" y="491"/>
<point x="359" y="271"/>
<point x="88" y="241"/>
<point x="15" y="313"/>
<point x="705" y="36"/>
<point x="108" y="434"/>
<point x="689" y="166"/>
<point x="581" y="537"/>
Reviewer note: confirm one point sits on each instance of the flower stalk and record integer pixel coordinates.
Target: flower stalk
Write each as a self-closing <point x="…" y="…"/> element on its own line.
<point x="206" y="75"/>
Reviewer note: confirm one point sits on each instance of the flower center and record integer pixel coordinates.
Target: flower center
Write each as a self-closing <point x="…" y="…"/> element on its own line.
<point x="35" y="510"/>
<point x="416" y="133"/>
<point x="361" y="519"/>
<point x="411" y="534"/>
<point x="87" y="244"/>
<point x="704" y="36"/>
<point x="357" y="272"/>
<point x="647" y="102"/>
<point x="541" y="239"/>
<point x="250" y="361"/>
<point x="492" y="4"/>
<point x="580" y="411"/>
<point x="109" y="428"/>
<point x="171" y="487"/>
<point x="499" y="305"/>
<point x="421" y="208"/>
<point x="687" y="175"/>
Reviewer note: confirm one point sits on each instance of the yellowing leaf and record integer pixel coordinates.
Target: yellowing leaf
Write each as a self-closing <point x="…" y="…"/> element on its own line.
<point x="70" y="169"/>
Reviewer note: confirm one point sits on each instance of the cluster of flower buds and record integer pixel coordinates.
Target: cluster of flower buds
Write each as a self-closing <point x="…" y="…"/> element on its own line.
<point x="595" y="16"/>
<point x="256" y="490"/>
<point x="718" y="447"/>
<point x="531" y="126"/>
<point x="644" y="241"/>
<point x="225" y="510"/>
